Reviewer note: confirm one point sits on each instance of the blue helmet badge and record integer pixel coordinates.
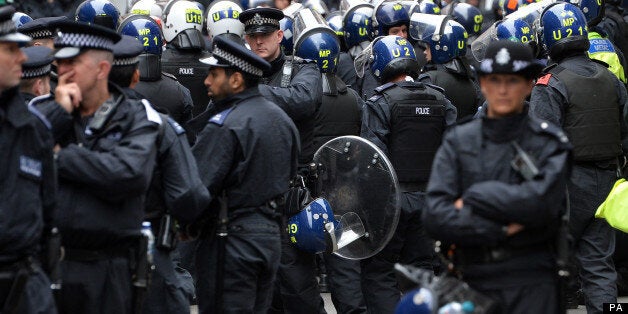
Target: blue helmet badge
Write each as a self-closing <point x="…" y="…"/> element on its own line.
<point x="99" y="12"/>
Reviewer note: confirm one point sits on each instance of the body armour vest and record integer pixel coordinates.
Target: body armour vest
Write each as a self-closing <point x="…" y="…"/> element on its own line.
<point x="592" y="116"/>
<point x="190" y="72"/>
<point x="338" y="115"/>
<point x="459" y="88"/>
<point x="417" y="114"/>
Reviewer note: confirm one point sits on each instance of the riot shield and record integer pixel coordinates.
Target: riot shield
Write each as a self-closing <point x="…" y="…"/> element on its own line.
<point x="361" y="186"/>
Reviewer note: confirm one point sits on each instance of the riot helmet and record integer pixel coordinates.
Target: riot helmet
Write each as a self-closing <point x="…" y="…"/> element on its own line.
<point x="387" y="15"/>
<point x="315" y="40"/>
<point x="20" y="18"/>
<point x="446" y="38"/>
<point x="287" y="42"/>
<point x="315" y="228"/>
<point x="418" y="301"/>
<point x="391" y="56"/>
<point x="428" y="7"/>
<point x="357" y="25"/>
<point x="146" y="7"/>
<point x="99" y="12"/>
<point x="593" y="10"/>
<point x="148" y="33"/>
<point x="222" y="18"/>
<point x="182" y="25"/>
<point x="334" y="20"/>
<point x="562" y="26"/>
<point x="469" y="16"/>
<point x="513" y="29"/>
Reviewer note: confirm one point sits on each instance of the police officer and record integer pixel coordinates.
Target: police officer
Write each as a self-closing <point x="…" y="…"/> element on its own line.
<point x="246" y="154"/>
<point x="345" y="69"/>
<point x="42" y="30"/>
<point x="339" y="114"/>
<point x="566" y="95"/>
<point x="106" y="153"/>
<point x="185" y="45"/>
<point x="407" y="120"/>
<point x="160" y="88"/>
<point x="503" y="220"/>
<point x="470" y="17"/>
<point x="176" y="191"/>
<point x="36" y="72"/>
<point x="27" y="196"/>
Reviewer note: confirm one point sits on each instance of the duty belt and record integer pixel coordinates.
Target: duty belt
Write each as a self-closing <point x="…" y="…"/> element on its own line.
<point x="485" y="255"/>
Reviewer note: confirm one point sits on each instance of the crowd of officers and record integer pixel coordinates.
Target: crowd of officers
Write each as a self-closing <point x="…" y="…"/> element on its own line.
<point x="150" y="114"/>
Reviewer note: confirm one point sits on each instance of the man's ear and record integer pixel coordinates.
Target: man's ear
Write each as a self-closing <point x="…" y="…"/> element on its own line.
<point x="135" y="78"/>
<point x="236" y="81"/>
<point x="104" y="67"/>
<point x="279" y="36"/>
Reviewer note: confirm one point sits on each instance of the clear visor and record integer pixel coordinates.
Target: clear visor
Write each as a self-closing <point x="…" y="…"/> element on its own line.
<point x="479" y="45"/>
<point x="420" y="22"/>
<point x="306" y="19"/>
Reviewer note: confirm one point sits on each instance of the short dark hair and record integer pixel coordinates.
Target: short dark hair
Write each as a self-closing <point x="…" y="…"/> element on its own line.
<point x="249" y="80"/>
<point x="122" y="75"/>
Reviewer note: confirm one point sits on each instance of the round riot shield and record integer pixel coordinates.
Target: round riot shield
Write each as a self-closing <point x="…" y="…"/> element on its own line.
<point x="361" y="186"/>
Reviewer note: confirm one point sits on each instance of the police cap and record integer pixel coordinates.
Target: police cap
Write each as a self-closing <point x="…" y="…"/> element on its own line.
<point x="74" y="38"/>
<point x="126" y="51"/>
<point x="228" y="53"/>
<point x="509" y="57"/>
<point x="38" y="61"/>
<point x="8" y="32"/>
<point x="261" y="20"/>
<point x="41" y="28"/>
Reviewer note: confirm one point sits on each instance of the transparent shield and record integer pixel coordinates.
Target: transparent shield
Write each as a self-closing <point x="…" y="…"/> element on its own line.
<point x="479" y="45"/>
<point x="306" y="19"/>
<point x="420" y="22"/>
<point x="361" y="186"/>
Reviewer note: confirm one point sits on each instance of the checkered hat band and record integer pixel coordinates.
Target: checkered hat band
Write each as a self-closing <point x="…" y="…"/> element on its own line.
<point x="83" y="41"/>
<point x="7" y="27"/>
<point x="237" y="62"/>
<point x="35" y="72"/>
<point x="44" y="33"/>
<point x="125" y="61"/>
<point x="258" y="21"/>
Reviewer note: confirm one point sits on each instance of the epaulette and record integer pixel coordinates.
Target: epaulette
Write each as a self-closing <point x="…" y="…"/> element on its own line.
<point x="375" y="97"/>
<point x="219" y="118"/>
<point x="544" y="80"/>
<point x="169" y="75"/>
<point x="436" y="87"/>
<point x="151" y="113"/>
<point x="542" y="126"/>
<point x="38" y="114"/>
<point x="384" y="87"/>
<point x="176" y="126"/>
<point x="424" y="75"/>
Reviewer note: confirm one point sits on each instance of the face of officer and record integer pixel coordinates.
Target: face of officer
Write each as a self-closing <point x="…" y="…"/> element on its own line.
<point x="265" y="45"/>
<point x="221" y="83"/>
<point x="400" y="30"/>
<point x="47" y="42"/>
<point x="11" y="59"/>
<point x="505" y="93"/>
<point x="428" y="53"/>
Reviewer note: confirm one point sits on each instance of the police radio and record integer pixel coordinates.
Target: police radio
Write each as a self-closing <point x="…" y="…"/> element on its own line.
<point x="523" y="163"/>
<point x="103" y="114"/>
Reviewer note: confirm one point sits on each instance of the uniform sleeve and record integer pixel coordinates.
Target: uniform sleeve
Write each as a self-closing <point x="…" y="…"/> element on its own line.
<point x="301" y="99"/>
<point x="451" y="113"/>
<point x="123" y="170"/>
<point x="215" y="152"/>
<point x="547" y="102"/>
<point x="368" y="84"/>
<point x="60" y="120"/>
<point x="184" y="192"/>
<point x="188" y="104"/>
<point x="447" y="223"/>
<point x="49" y="181"/>
<point x="376" y="123"/>
<point x="533" y="203"/>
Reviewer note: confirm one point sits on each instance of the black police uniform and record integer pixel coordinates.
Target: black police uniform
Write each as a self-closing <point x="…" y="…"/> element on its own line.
<point x="249" y="150"/>
<point x="103" y="179"/>
<point x="564" y="96"/>
<point x="190" y="72"/>
<point x="456" y="80"/>
<point x="175" y="190"/>
<point x="28" y="199"/>
<point x="494" y="195"/>
<point x="169" y="95"/>
<point x="407" y="121"/>
<point x="346" y="70"/>
<point x="367" y="84"/>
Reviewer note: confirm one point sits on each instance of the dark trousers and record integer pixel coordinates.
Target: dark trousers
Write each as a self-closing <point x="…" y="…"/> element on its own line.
<point x="252" y="252"/>
<point x="409" y="245"/>
<point x="594" y="239"/>
<point x="343" y="278"/>
<point x="296" y="288"/>
<point x="36" y="298"/>
<point x="166" y="293"/>
<point x="102" y="286"/>
<point x="528" y="299"/>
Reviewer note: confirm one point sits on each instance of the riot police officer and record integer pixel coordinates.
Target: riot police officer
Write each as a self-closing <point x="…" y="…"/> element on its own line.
<point x="27" y="196"/>
<point x="357" y="29"/>
<point x="344" y="69"/>
<point x="36" y="72"/>
<point x="176" y="192"/>
<point x="246" y="154"/>
<point x="445" y="43"/>
<point x="160" y="88"/>
<point x="471" y="18"/>
<point x="503" y="220"/>
<point x="185" y="45"/>
<point x="407" y="120"/>
<point x="564" y="95"/>
<point x="98" y="12"/>
<point x="294" y="85"/>
<point x="106" y="153"/>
